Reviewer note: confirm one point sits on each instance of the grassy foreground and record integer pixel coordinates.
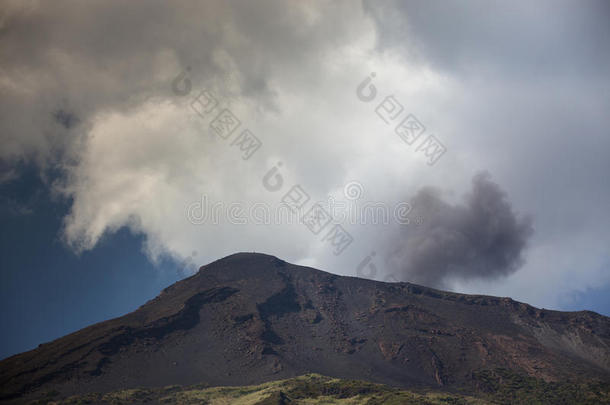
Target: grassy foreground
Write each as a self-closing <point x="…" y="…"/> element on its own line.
<point x="312" y="389"/>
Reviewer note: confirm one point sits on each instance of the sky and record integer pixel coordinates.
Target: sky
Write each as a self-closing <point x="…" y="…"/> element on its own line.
<point x="462" y="145"/>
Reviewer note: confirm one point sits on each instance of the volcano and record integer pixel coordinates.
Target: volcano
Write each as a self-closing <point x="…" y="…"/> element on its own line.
<point x="253" y="318"/>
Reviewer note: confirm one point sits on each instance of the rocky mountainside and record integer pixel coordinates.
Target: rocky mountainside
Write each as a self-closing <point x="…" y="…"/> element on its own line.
<point x="252" y="318"/>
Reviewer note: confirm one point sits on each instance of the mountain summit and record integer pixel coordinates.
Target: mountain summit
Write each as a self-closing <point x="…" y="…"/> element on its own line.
<point x="251" y="318"/>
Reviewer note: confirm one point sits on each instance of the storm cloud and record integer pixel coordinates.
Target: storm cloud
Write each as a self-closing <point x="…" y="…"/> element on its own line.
<point x="481" y="238"/>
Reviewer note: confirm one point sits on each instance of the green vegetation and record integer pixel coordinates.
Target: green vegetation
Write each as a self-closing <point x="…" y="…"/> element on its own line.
<point x="494" y="387"/>
<point x="507" y="387"/>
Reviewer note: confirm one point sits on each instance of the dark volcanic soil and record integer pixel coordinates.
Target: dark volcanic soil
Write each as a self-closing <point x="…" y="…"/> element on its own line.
<point x="250" y="318"/>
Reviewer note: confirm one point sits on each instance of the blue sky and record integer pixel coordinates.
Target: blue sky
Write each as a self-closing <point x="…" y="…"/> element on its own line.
<point x="46" y="290"/>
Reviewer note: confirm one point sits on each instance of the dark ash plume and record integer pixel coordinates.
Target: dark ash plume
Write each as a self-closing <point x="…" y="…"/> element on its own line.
<point x="483" y="238"/>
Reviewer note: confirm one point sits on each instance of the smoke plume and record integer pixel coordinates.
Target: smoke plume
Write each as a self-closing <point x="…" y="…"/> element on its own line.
<point x="483" y="238"/>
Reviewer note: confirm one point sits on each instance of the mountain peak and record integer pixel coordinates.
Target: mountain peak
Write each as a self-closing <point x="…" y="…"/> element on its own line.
<point x="247" y="259"/>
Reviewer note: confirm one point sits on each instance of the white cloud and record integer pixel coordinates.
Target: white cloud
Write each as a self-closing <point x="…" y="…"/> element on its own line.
<point x="137" y="155"/>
